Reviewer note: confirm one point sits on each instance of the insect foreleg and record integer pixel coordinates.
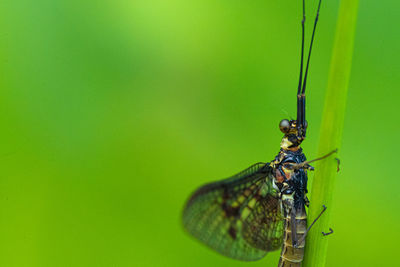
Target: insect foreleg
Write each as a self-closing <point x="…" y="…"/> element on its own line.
<point x="323" y="157"/>
<point x="306" y="164"/>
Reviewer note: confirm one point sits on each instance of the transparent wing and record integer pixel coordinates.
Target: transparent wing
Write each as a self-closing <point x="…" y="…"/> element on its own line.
<point x="239" y="217"/>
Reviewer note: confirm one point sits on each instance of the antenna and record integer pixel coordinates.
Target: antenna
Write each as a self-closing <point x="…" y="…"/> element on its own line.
<point x="301" y="98"/>
<point x="299" y="106"/>
<point x="302" y="48"/>
<point x="311" y="45"/>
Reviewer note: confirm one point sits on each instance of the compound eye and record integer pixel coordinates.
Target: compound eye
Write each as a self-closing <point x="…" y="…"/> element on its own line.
<point x="284" y="126"/>
<point x="306" y="124"/>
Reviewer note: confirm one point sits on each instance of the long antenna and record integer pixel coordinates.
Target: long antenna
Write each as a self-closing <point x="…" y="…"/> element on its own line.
<point x="302" y="49"/>
<point x="311" y="45"/>
<point x="299" y="100"/>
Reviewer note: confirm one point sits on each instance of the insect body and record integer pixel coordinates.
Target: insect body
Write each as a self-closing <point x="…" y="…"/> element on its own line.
<point x="258" y="210"/>
<point x="291" y="181"/>
<point x="262" y="208"/>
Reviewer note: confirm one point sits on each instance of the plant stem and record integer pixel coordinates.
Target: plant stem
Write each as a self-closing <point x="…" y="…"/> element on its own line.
<point x="331" y="133"/>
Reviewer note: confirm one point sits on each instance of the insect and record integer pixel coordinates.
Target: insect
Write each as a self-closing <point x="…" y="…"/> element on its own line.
<point x="262" y="208"/>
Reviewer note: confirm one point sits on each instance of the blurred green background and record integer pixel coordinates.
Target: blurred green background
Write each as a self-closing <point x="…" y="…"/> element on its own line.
<point x="113" y="112"/>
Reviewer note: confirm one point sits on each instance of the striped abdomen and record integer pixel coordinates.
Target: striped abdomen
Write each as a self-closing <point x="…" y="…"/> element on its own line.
<point x="290" y="256"/>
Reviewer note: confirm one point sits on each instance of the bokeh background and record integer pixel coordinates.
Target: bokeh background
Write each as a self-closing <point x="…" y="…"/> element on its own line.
<point x="113" y="112"/>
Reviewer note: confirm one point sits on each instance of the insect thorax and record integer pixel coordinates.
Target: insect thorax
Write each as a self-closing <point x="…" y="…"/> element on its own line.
<point x="290" y="183"/>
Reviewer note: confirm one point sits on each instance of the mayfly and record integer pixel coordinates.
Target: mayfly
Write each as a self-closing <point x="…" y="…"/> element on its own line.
<point x="262" y="208"/>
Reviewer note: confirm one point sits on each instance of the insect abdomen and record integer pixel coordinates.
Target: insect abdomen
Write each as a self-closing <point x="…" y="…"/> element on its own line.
<point x="291" y="256"/>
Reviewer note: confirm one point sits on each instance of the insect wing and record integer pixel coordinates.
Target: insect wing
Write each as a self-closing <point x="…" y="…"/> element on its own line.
<point x="239" y="217"/>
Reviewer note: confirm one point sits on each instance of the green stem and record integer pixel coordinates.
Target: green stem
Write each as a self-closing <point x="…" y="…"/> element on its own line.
<point x="331" y="133"/>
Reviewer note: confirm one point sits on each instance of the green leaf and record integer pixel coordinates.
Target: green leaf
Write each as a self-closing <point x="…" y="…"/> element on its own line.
<point x="331" y="133"/>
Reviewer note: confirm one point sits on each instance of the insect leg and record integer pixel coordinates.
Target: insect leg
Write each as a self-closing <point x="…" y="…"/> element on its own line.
<point x="306" y="201"/>
<point x="330" y="232"/>
<point x="323" y="157"/>
<point x="306" y="164"/>
<point x="301" y="240"/>
<point x="338" y="164"/>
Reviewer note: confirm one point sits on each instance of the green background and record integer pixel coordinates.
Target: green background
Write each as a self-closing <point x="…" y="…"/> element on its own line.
<point x="113" y="112"/>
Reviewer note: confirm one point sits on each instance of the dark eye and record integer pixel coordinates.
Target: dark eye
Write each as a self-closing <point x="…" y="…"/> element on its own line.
<point x="284" y="126"/>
